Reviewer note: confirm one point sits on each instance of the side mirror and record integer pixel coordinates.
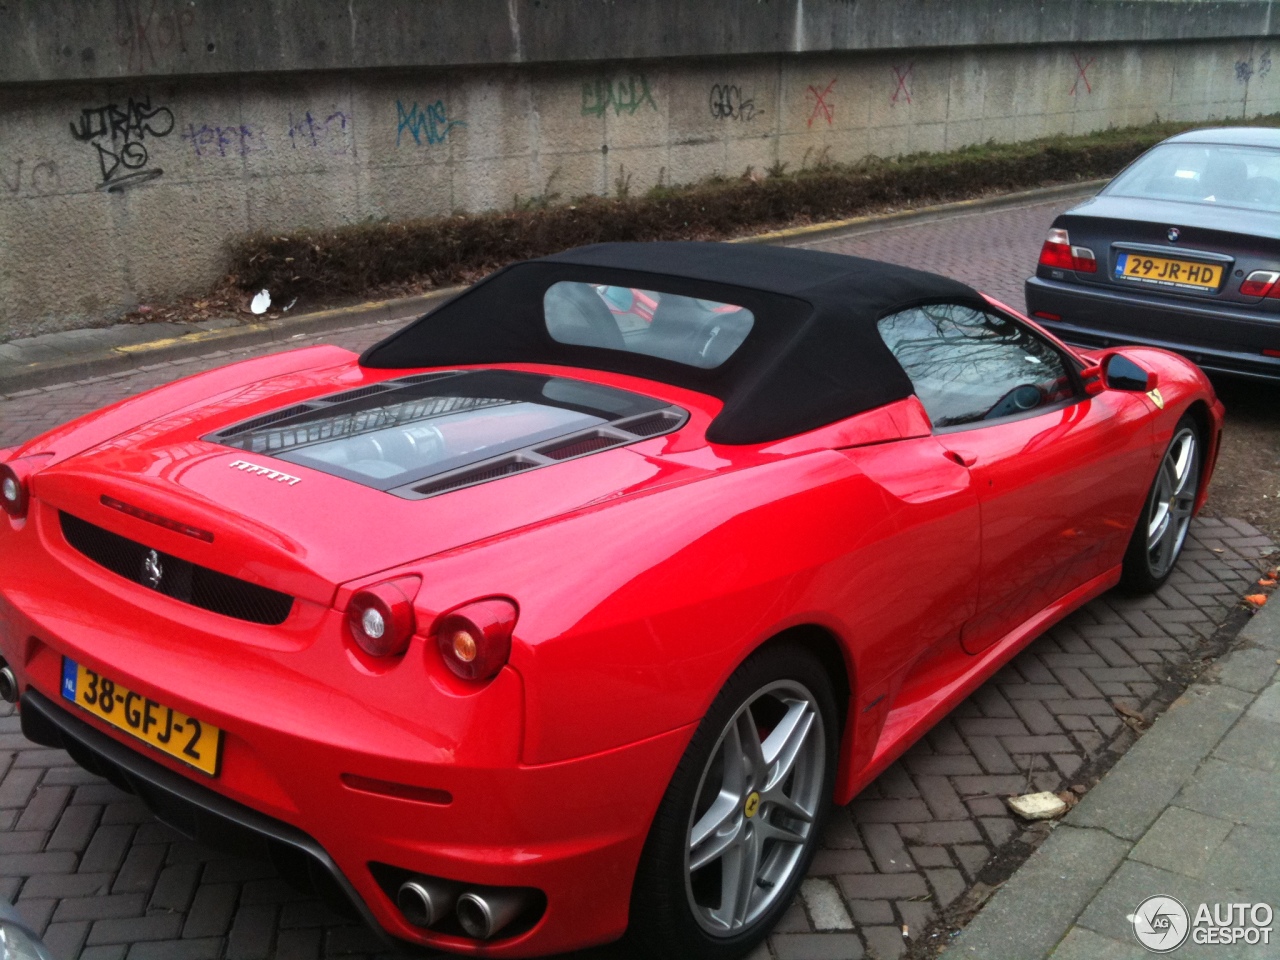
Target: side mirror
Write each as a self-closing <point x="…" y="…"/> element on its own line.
<point x="1120" y="373"/>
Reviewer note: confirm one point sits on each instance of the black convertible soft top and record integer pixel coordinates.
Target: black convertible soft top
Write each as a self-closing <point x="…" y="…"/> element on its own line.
<point x="813" y="356"/>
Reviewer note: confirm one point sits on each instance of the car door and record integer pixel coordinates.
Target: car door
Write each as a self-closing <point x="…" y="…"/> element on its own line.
<point x="1060" y="474"/>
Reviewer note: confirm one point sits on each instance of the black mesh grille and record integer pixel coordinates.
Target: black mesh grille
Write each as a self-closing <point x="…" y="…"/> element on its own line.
<point x="181" y="579"/>
<point x="650" y="425"/>
<point x="424" y="377"/>
<point x="465" y="479"/>
<point x="268" y="419"/>
<point x="582" y="445"/>
<point x="356" y="394"/>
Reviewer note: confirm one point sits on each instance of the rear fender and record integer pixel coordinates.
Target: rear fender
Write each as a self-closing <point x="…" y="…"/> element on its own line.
<point x="102" y="425"/>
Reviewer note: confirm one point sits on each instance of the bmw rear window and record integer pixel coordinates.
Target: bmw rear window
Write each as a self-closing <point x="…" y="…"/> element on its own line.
<point x="1208" y="173"/>
<point x="697" y="333"/>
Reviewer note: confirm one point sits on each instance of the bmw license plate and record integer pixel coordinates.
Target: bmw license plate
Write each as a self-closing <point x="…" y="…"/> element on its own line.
<point x="175" y="734"/>
<point x="1164" y="272"/>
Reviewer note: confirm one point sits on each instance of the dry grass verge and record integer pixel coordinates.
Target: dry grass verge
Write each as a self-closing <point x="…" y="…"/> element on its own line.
<point x="355" y="259"/>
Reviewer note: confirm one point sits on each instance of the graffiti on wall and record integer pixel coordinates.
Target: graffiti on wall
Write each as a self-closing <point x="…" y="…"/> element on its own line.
<point x="118" y="135"/>
<point x="625" y="96"/>
<point x="145" y="28"/>
<point x="903" y="90"/>
<point x="728" y="103"/>
<point x="40" y="176"/>
<point x="306" y="130"/>
<point x="329" y="133"/>
<point x="430" y="125"/>
<point x="236" y="140"/>
<point x="1246" y="71"/>
<point x="823" y="103"/>
<point x="1082" y="75"/>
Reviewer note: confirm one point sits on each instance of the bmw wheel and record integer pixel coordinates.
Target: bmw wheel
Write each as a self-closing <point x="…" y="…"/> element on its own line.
<point x="1166" y="518"/>
<point x="740" y="821"/>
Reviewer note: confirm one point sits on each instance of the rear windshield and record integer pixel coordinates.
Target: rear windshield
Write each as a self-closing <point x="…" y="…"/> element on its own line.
<point x="698" y="333"/>
<point x="1208" y="173"/>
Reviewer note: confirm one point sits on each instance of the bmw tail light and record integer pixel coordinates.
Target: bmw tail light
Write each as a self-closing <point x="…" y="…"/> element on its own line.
<point x="1261" y="283"/>
<point x="475" y="640"/>
<point x="15" y="488"/>
<point x="1059" y="253"/>
<point x="380" y="618"/>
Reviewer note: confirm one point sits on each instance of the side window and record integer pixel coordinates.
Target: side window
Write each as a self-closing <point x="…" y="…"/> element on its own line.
<point x="969" y="365"/>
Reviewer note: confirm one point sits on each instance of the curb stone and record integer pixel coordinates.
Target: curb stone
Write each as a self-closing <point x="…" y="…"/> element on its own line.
<point x="87" y="358"/>
<point x="131" y="356"/>
<point x="1068" y="899"/>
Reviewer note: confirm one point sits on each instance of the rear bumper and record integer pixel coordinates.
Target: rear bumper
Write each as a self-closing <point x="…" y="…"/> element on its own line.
<point x="1218" y="338"/>
<point x="297" y="714"/>
<point x="192" y="809"/>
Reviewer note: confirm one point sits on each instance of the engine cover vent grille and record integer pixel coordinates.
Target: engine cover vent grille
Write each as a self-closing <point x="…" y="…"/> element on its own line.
<point x="181" y="579"/>
<point x="581" y="445"/>
<point x="466" y="478"/>
<point x="651" y="424"/>
<point x="356" y="394"/>
<point x="266" y="420"/>
<point x="424" y="377"/>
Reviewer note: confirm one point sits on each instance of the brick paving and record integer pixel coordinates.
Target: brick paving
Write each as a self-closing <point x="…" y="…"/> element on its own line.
<point x="91" y="869"/>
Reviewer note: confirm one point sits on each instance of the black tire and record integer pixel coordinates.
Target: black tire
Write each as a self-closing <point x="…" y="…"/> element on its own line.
<point x="663" y="922"/>
<point x="1145" y="569"/>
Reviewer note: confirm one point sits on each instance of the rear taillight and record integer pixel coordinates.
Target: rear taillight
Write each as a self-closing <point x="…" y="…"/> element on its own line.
<point x="475" y="640"/>
<point x="15" y="488"/>
<point x="1057" y="252"/>
<point x="380" y="618"/>
<point x="1261" y="283"/>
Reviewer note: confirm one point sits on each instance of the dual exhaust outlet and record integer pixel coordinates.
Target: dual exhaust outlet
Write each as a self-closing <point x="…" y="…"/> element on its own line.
<point x="8" y="684"/>
<point x="483" y="914"/>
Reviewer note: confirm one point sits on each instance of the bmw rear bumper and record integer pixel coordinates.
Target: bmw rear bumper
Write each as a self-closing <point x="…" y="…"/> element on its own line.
<point x="1220" y="339"/>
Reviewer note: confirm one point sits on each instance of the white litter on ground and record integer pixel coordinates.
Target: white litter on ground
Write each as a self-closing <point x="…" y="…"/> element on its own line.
<point x="1037" y="806"/>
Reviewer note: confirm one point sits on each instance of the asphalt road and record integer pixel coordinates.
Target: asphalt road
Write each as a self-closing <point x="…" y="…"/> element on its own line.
<point x="90" y="868"/>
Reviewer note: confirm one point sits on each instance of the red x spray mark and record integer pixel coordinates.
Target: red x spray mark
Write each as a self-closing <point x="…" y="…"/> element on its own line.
<point x="902" y="76"/>
<point x="1082" y="71"/>
<point x="821" y="107"/>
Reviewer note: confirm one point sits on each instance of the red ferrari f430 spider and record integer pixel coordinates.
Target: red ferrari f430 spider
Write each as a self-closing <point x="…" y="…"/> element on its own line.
<point x="568" y="611"/>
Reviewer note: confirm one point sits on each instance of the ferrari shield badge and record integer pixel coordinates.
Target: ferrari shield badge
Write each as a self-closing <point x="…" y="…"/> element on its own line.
<point x="1156" y="397"/>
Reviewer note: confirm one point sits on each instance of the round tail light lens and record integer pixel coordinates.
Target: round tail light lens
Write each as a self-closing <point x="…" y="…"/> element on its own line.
<point x="380" y="618"/>
<point x="14" y="496"/>
<point x="475" y="640"/>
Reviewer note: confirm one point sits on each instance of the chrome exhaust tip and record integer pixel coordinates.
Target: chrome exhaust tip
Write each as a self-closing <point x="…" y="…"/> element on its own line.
<point x="483" y="915"/>
<point x="8" y="685"/>
<point x="425" y="901"/>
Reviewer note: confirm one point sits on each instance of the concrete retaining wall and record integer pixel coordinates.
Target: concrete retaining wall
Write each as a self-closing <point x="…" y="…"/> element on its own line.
<point x="116" y="192"/>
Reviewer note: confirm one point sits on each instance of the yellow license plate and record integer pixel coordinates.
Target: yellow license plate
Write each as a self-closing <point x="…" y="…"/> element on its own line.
<point x="1169" y="273"/>
<point x="175" y="734"/>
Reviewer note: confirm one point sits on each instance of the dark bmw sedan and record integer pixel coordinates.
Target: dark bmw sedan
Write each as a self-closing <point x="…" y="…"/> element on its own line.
<point x="1181" y="250"/>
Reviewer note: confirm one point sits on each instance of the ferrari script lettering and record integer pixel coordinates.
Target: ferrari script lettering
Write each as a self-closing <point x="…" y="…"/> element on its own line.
<point x="276" y="475"/>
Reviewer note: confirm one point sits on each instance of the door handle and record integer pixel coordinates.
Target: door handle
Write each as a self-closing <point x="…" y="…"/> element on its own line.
<point x="962" y="458"/>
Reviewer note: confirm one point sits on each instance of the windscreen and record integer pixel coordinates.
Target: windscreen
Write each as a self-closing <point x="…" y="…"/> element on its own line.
<point x="698" y="333"/>
<point x="1208" y="173"/>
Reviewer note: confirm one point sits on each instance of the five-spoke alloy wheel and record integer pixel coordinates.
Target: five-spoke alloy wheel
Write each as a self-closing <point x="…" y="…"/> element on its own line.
<point x="740" y="821"/>
<point x="1166" y="518"/>
<point x="757" y="802"/>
